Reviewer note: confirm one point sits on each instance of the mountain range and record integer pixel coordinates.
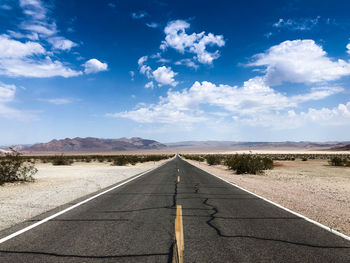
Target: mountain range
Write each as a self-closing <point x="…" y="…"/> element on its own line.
<point x="95" y="145"/>
<point x="91" y="144"/>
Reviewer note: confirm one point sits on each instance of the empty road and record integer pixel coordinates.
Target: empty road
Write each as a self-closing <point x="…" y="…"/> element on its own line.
<point x="135" y="223"/>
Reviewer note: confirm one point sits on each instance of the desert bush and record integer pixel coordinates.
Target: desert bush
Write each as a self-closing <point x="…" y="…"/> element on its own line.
<point x="338" y="161"/>
<point x="61" y="160"/>
<point x="120" y="161"/>
<point x="247" y="163"/>
<point x="194" y="157"/>
<point x="304" y="159"/>
<point x="213" y="159"/>
<point x="14" y="168"/>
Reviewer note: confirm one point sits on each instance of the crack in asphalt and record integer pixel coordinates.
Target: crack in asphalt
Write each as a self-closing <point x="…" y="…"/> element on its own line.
<point x="81" y="256"/>
<point x="220" y="233"/>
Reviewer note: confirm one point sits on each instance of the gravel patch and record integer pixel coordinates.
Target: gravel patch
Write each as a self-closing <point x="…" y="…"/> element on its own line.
<point x="58" y="185"/>
<point x="312" y="188"/>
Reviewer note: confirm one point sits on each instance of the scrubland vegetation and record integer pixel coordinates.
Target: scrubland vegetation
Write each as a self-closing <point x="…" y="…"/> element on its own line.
<point x="257" y="163"/>
<point x="15" y="168"/>
<point x="63" y="159"/>
<point x="339" y="161"/>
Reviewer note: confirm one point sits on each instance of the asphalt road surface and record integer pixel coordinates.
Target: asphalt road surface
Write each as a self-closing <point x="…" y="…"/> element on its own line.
<point x="135" y="223"/>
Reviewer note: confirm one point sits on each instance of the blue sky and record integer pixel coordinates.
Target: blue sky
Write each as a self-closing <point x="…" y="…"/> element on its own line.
<point x="174" y="70"/>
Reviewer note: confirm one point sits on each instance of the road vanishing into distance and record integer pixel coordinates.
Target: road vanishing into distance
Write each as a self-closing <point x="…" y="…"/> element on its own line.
<point x="136" y="223"/>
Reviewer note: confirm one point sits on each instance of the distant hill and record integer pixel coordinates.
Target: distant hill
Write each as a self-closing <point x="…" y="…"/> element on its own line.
<point x="341" y="148"/>
<point x="134" y="144"/>
<point x="231" y="145"/>
<point x="95" y="145"/>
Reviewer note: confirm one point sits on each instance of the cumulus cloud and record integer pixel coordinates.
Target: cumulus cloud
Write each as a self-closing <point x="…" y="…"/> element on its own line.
<point x="253" y="99"/>
<point x="256" y="102"/>
<point x="348" y="48"/>
<point x="61" y="43"/>
<point x="93" y="66"/>
<point x="149" y="85"/>
<point x="300" y="61"/>
<point x="177" y="38"/>
<point x="299" y="24"/>
<point x="165" y="76"/>
<point x="18" y="59"/>
<point x="28" y="58"/>
<point x="10" y="48"/>
<point x="336" y="114"/>
<point x="144" y="68"/>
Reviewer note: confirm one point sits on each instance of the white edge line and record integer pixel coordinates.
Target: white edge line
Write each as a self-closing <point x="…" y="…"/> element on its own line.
<point x="4" y="239"/>
<point x="282" y="207"/>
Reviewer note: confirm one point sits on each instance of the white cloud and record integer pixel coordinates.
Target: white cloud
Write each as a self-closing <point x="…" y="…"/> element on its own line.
<point x="163" y="60"/>
<point x="93" y="66"/>
<point x="139" y="15"/>
<point x="187" y="62"/>
<point x="254" y="102"/>
<point x="61" y="43"/>
<point x="149" y="85"/>
<point x="177" y="38"/>
<point x="18" y="59"/>
<point x="152" y="25"/>
<point x="40" y="25"/>
<point x="132" y="75"/>
<point x="336" y="114"/>
<point x="7" y="95"/>
<point x="58" y="101"/>
<point x="33" y="8"/>
<point x="7" y="92"/>
<point x="42" y="28"/>
<point x="348" y="48"/>
<point x="38" y="21"/>
<point x="26" y="67"/>
<point x="10" y="48"/>
<point x="144" y="69"/>
<point x="165" y="76"/>
<point x="31" y="36"/>
<point x="300" y="61"/>
<point x="317" y="94"/>
<point x="300" y="24"/>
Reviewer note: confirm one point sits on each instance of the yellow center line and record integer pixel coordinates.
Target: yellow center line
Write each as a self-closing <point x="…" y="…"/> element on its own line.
<point x="179" y="236"/>
<point x="178" y="179"/>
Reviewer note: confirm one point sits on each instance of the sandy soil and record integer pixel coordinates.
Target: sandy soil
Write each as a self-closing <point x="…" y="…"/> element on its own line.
<point x="58" y="185"/>
<point x="312" y="188"/>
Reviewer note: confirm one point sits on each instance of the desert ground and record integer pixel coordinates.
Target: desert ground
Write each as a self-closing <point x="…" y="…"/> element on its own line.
<point x="58" y="185"/>
<point x="312" y="188"/>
